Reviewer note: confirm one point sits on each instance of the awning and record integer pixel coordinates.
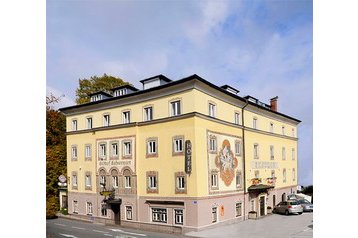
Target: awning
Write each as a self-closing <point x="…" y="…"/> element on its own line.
<point x="114" y="201"/>
<point x="180" y="203"/>
<point x="259" y="188"/>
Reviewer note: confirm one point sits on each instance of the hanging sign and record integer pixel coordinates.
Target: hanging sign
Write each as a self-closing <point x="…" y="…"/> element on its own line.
<point x="187" y="156"/>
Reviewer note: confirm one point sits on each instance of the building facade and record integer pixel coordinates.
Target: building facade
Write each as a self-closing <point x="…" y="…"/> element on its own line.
<point x="178" y="155"/>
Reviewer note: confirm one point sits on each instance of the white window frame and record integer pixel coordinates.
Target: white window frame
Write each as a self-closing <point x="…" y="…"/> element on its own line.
<point x="102" y="150"/>
<point x="256" y="151"/>
<point x="159" y="215"/>
<point x="148" y="113"/>
<point x="238" y="178"/>
<point x="212" y="110"/>
<point x="212" y="144"/>
<point x="284" y="175"/>
<point x="257" y="174"/>
<point x="89" y="208"/>
<point x="104" y="209"/>
<point x="114" y="149"/>
<point x="237" y="148"/>
<point x="283" y="153"/>
<point x="238" y="212"/>
<point x="175" y="108"/>
<point x="74" y="125"/>
<point x="126" y="117"/>
<point x="127" y="181"/>
<point x="88" y="151"/>
<point x="178" y="145"/>
<point x="129" y="213"/>
<point x="293" y="154"/>
<point x="178" y="216"/>
<point x="214" y="214"/>
<point x="293" y="174"/>
<point x="106" y="120"/>
<point x="254" y="123"/>
<point x="272" y="152"/>
<point x="102" y="180"/>
<point x="75" y="206"/>
<point x="151" y="146"/>
<point x="237" y="118"/>
<point x="127" y="148"/>
<point x="74" y="152"/>
<point x="180" y="182"/>
<point x="74" y="180"/>
<point x="88" y="180"/>
<point x="152" y="182"/>
<point x="115" y="181"/>
<point x="214" y="180"/>
<point x="89" y="122"/>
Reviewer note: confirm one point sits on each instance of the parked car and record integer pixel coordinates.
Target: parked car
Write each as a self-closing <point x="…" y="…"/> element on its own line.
<point x="306" y="205"/>
<point x="288" y="207"/>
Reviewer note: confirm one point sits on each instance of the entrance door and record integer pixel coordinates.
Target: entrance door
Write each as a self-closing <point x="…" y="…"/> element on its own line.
<point x="117" y="214"/>
<point x="262" y="206"/>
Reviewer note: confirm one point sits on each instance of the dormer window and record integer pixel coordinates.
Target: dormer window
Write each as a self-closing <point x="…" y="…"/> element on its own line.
<point x="99" y="96"/>
<point x="155" y="81"/>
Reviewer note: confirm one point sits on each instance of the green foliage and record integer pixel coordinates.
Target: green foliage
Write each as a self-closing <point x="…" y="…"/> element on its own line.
<point x="308" y="190"/>
<point x="64" y="211"/>
<point x="55" y="155"/>
<point x="95" y="84"/>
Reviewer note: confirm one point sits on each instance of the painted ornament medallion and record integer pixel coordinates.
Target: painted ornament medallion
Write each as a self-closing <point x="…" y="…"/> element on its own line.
<point x="226" y="162"/>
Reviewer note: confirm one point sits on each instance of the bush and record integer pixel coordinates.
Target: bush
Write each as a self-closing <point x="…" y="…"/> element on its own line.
<point x="64" y="211"/>
<point x="51" y="207"/>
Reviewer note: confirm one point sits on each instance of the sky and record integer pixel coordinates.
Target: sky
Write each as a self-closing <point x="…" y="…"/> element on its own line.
<point x="262" y="48"/>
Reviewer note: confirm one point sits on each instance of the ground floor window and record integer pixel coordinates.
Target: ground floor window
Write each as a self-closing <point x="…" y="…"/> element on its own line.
<point x="179" y="216"/>
<point x="89" y="208"/>
<point x="214" y="214"/>
<point x="238" y="209"/>
<point x="75" y="206"/>
<point x="129" y="213"/>
<point x="159" y="215"/>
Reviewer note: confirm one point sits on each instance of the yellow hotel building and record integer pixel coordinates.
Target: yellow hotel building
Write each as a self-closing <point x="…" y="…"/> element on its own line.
<point x="178" y="155"/>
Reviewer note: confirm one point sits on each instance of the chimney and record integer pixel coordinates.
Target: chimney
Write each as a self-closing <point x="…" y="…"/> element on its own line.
<point x="273" y="102"/>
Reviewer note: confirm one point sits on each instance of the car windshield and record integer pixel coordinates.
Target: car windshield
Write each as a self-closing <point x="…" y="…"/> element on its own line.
<point x="294" y="203"/>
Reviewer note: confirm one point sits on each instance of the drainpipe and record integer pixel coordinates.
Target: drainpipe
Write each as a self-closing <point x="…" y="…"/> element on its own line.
<point x="243" y="154"/>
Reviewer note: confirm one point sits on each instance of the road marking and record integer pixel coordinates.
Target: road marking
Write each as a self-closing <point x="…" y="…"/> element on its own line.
<point x="107" y="234"/>
<point x="59" y="224"/>
<point x="307" y="229"/>
<point x="80" y="228"/>
<point x="100" y="231"/>
<point x="66" y="235"/>
<point x="130" y="233"/>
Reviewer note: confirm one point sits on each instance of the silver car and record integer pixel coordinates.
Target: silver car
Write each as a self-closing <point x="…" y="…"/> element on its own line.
<point x="306" y="205"/>
<point x="288" y="207"/>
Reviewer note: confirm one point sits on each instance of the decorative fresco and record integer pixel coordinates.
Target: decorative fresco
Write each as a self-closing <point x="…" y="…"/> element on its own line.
<point x="226" y="162"/>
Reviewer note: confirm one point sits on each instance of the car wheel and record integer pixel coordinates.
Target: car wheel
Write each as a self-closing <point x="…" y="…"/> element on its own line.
<point x="300" y="213"/>
<point x="286" y="212"/>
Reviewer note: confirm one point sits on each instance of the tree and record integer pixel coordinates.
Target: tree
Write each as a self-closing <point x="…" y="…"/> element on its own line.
<point x="95" y="84"/>
<point x="55" y="154"/>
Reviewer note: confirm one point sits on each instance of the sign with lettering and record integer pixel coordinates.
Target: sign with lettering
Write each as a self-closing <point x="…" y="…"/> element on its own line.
<point x="187" y="156"/>
<point x="264" y="165"/>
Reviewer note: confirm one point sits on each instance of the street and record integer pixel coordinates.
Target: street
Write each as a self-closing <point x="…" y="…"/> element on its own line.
<point x="272" y="226"/>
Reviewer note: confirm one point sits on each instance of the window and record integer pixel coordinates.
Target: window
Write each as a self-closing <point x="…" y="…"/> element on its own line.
<point x="74" y="152"/>
<point x="74" y="125"/>
<point x="148" y="113"/>
<point x="89" y="122"/>
<point x="152" y="146"/>
<point x="214" y="180"/>
<point x="238" y="179"/>
<point x="106" y="121"/>
<point x="88" y="152"/>
<point x="293" y="154"/>
<point x="115" y="181"/>
<point x="294" y="174"/>
<point x="88" y="181"/>
<point x="75" y="206"/>
<point x="283" y="153"/>
<point x="284" y="175"/>
<point x="271" y="127"/>
<point x="152" y="182"/>
<point x="212" y="110"/>
<point x="127" y="148"/>
<point x="212" y="144"/>
<point x="74" y="180"/>
<point x="254" y="123"/>
<point x="256" y="151"/>
<point x="127" y="182"/>
<point x="238" y="209"/>
<point x="178" y="216"/>
<point x="180" y="182"/>
<point x="159" y="215"/>
<point x="129" y="213"/>
<point x="272" y="152"/>
<point x="283" y="130"/>
<point x="102" y="150"/>
<point x="273" y="174"/>
<point x="175" y="108"/>
<point x="89" y="208"/>
<point x="178" y="145"/>
<point x="237" y="147"/>
<point x="102" y="180"/>
<point x="103" y="209"/>
<point x="214" y="212"/>
<point x="126" y="116"/>
<point x="114" y="147"/>
<point x="293" y="132"/>
<point x="237" y="118"/>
